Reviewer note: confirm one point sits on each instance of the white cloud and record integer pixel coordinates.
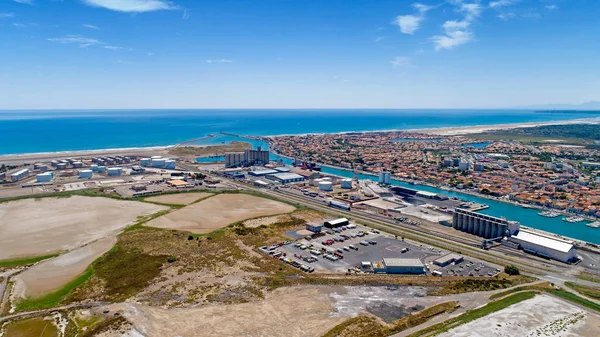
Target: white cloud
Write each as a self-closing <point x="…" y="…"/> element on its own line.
<point x="400" y="61"/>
<point x="219" y="61"/>
<point x="6" y="15"/>
<point x="472" y="10"/>
<point x="551" y="7"/>
<point x="453" y="25"/>
<point x="409" y="24"/>
<point x="507" y="16"/>
<point x="76" y="39"/>
<point x="377" y="39"/>
<point x="452" y="39"/>
<point x="113" y="48"/>
<point x="132" y="6"/>
<point x="18" y="25"/>
<point x="185" y="15"/>
<point x="90" y="26"/>
<point x="502" y="3"/>
<point x="26" y="2"/>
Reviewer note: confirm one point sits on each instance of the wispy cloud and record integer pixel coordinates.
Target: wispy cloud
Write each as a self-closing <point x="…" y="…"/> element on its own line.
<point x="400" y="61"/>
<point x="122" y="61"/>
<point x="458" y="32"/>
<point x="6" y="15"/>
<point x="76" y="39"/>
<point x="219" y="61"/>
<point x="19" y="25"/>
<point x="409" y="24"/>
<point x="185" y="15"/>
<point x="26" y="2"/>
<point x="507" y="16"/>
<point x="150" y="54"/>
<point x="90" y="26"/>
<point x="114" y="48"/>
<point x="133" y="6"/>
<point x="377" y="39"/>
<point x="502" y="3"/>
<point x="551" y="7"/>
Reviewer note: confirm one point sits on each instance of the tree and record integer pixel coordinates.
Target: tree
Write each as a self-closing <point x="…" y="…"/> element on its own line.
<point x="511" y="270"/>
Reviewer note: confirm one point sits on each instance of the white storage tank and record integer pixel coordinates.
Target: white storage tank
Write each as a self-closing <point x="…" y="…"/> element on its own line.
<point x="381" y="178"/>
<point x="170" y="164"/>
<point x="145" y="161"/>
<point x="61" y="166"/>
<point x="159" y="162"/>
<point x="326" y="186"/>
<point x="315" y="182"/>
<point x="85" y="174"/>
<point x="44" y="177"/>
<point x="77" y="164"/>
<point x="388" y="178"/>
<point x="346" y="183"/>
<point x="101" y="169"/>
<point x="115" y="171"/>
<point x="94" y="168"/>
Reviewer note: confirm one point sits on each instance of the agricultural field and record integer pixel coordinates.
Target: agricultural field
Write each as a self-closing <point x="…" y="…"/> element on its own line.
<point x="178" y="198"/>
<point x="35" y="227"/>
<point x="219" y="211"/>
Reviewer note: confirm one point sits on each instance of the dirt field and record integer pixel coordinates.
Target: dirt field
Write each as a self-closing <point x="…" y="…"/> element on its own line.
<point x="33" y="227"/>
<point x="269" y="220"/>
<point x="179" y="198"/>
<point x="289" y="312"/>
<point x="219" y="211"/>
<point x="52" y="274"/>
<point x="542" y="315"/>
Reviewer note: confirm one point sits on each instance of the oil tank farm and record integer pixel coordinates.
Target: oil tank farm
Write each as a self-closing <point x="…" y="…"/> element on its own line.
<point x="114" y="171"/>
<point x="326" y="186"/>
<point x="85" y="174"/>
<point x="19" y="175"/>
<point x="346" y="183"/>
<point x="44" y="177"/>
<point x="482" y="225"/>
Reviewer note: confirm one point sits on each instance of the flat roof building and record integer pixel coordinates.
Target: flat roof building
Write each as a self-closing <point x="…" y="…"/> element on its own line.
<point x="260" y="173"/>
<point x="19" y="175"/>
<point x="556" y="249"/>
<point x="399" y="266"/>
<point x="448" y="259"/>
<point x="336" y="223"/>
<point x="285" y="178"/>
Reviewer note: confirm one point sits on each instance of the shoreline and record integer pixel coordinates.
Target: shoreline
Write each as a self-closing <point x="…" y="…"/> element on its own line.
<point x="440" y="131"/>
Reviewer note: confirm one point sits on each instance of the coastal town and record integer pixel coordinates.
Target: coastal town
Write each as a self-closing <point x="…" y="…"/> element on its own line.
<point x="550" y="176"/>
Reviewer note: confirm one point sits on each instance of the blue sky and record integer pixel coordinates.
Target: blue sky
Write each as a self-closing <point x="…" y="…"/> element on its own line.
<point x="96" y="54"/>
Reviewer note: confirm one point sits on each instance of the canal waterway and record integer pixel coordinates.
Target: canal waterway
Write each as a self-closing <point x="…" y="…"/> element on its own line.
<point x="526" y="216"/>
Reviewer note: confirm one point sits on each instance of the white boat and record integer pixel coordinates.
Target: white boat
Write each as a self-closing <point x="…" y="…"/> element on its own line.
<point x="549" y="214"/>
<point x="574" y="219"/>
<point x="595" y="224"/>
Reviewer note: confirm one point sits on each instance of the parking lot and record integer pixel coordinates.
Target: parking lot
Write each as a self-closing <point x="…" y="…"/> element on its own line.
<point x="330" y="253"/>
<point x="466" y="268"/>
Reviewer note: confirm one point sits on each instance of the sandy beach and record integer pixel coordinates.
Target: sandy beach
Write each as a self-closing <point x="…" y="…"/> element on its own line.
<point x="466" y="130"/>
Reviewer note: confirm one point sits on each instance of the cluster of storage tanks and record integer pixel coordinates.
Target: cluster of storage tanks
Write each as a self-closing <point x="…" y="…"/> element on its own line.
<point x="158" y="162"/>
<point x="385" y="178"/>
<point x="44" y="177"/>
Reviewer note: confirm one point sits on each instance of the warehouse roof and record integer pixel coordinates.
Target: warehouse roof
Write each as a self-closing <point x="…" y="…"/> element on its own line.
<point x="544" y="241"/>
<point x="449" y="258"/>
<point x="262" y="172"/>
<point x="426" y="193"/>
<point x="337" y="221"/>
<point x="397" y="262"/>
<point x="286" y="176"/>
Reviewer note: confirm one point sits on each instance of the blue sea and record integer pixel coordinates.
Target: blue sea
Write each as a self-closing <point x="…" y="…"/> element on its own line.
<point x="59" y="130"/>
<point x="52" y="131"/>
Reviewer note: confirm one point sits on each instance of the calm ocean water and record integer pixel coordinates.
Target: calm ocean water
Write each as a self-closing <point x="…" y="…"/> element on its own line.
<point x="56" y="130"/>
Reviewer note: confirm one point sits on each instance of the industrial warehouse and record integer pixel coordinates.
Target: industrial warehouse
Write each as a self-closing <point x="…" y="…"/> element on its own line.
<point x="499" y="229"/>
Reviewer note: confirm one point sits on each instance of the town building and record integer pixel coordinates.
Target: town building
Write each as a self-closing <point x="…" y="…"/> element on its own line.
<point x="285" y="178"/>
<point x="399" y="266"/>
<point x="19" y="175"/>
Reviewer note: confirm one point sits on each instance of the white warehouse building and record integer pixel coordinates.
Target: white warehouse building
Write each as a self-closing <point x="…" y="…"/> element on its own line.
<point x="553" y="248"/>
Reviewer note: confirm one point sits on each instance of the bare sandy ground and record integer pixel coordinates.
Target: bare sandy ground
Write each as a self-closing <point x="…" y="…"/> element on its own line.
<point x="269" y="220"/>
<point x="51" y="275"/>
<point x="33" y="227"/>
<point x="542" y="315"/>
<point x="219" y="211"/>
<point x="179" y="198"/>
<point x="288" y="312"/>
<point x="465" y="130"/>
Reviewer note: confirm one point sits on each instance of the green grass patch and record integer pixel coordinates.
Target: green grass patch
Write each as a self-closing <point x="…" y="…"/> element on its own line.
<point x="575" y="299"/>
<point x="591" y="292"/>
<point x="472" y="315"/>
<point x="537" y="287"/>
<point x="25" y="261"/>
<point x="33" y="327"/>
<point x="53" y="299"/>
